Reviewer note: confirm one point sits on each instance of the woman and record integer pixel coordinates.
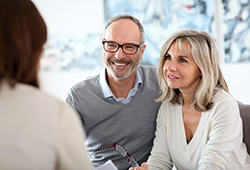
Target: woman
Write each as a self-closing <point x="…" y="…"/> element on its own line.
<point x="37" y="131"/>
<point x="198" y="124"/>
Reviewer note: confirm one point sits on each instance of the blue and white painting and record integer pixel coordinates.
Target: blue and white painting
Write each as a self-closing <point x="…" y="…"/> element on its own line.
<point x="64" y="53"/>
<point x="236" y="27"/>
<point x="161" y="18"/>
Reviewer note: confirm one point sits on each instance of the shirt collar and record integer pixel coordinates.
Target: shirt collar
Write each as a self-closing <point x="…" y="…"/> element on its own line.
<point x="106" y="90"/>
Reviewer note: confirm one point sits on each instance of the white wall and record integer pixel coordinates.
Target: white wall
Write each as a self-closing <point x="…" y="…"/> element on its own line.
<point x="238" y="80"/>
<point x="71" y="16"/>
<point x="64" y="17"/>
<point x="85" y="16"/>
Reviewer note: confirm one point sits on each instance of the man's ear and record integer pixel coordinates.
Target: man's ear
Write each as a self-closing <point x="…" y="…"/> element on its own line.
<point x="143" y="47"/>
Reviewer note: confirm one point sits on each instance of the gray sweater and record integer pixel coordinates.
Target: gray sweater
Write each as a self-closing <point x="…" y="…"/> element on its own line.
<point x="105" y="121"/>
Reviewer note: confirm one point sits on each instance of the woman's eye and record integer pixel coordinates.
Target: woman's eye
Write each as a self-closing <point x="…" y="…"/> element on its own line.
<point x="183" y="60"/>
<point x="167" y="57"/>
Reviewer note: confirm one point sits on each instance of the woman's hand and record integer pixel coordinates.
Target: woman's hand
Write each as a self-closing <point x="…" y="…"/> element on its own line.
<point x="144" y="166"/>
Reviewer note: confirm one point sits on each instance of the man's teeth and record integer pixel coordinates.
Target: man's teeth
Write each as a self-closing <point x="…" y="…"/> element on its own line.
<point x="120" y="64"/>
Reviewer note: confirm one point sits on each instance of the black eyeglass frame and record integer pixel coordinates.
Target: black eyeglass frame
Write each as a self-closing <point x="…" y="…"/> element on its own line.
<point x="113" y="145"/>
<point x="119" y="45"/>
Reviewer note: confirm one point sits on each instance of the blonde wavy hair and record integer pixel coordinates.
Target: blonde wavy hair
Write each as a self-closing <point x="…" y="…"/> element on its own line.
<point x="205" y="54"/>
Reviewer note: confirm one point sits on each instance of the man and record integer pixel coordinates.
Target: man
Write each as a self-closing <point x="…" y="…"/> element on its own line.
<point x="118" y="105"/>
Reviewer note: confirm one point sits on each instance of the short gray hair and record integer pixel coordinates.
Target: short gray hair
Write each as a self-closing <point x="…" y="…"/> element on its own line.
<point x="126" y="16"/>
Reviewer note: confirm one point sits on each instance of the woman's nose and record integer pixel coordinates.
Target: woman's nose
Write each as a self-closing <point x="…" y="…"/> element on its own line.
<point x="171" y="66"/>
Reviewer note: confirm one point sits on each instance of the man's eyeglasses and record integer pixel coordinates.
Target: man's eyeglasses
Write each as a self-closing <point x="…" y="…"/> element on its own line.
<point x="122" y="151"/>
<point x="127" y="48"/>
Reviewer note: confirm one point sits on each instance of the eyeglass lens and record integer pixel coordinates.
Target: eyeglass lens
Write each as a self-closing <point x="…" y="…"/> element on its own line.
<point x="133" y="162"/>
<point x="127" y="48"/>
<point x="123" y="152"/>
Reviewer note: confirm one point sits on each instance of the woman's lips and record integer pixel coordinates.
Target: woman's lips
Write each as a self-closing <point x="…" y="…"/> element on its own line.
<point x="171" y="77"/>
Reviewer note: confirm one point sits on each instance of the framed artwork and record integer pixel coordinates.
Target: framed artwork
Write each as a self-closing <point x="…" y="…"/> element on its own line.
<point x="160" y="19"/>
<point x="67" y="53"/>
<point x="236" y="27"/>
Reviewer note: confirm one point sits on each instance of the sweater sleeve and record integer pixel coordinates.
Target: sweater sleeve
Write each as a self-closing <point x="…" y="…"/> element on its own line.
<point x="71" y="151"/>
<point x="224" y="134"/>
<point x="160" y="157"/>
<point x="72" y="99"/>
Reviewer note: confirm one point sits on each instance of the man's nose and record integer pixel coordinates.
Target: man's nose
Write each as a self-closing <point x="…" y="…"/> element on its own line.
<point x="119" y="54"/>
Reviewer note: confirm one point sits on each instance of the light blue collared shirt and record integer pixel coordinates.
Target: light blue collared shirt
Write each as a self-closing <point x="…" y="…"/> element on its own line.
<point x="108" y="93"/>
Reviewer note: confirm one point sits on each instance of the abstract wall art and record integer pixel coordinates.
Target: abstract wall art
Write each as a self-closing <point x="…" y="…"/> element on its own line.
<point x="236" y="28"/>
<point x="160" y="19"/>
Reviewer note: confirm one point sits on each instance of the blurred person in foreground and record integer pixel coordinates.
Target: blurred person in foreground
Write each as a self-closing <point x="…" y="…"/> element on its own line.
<point x="37" y="131"/>
<point x="198" y="124"/>
<point x="117" y="106"/>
